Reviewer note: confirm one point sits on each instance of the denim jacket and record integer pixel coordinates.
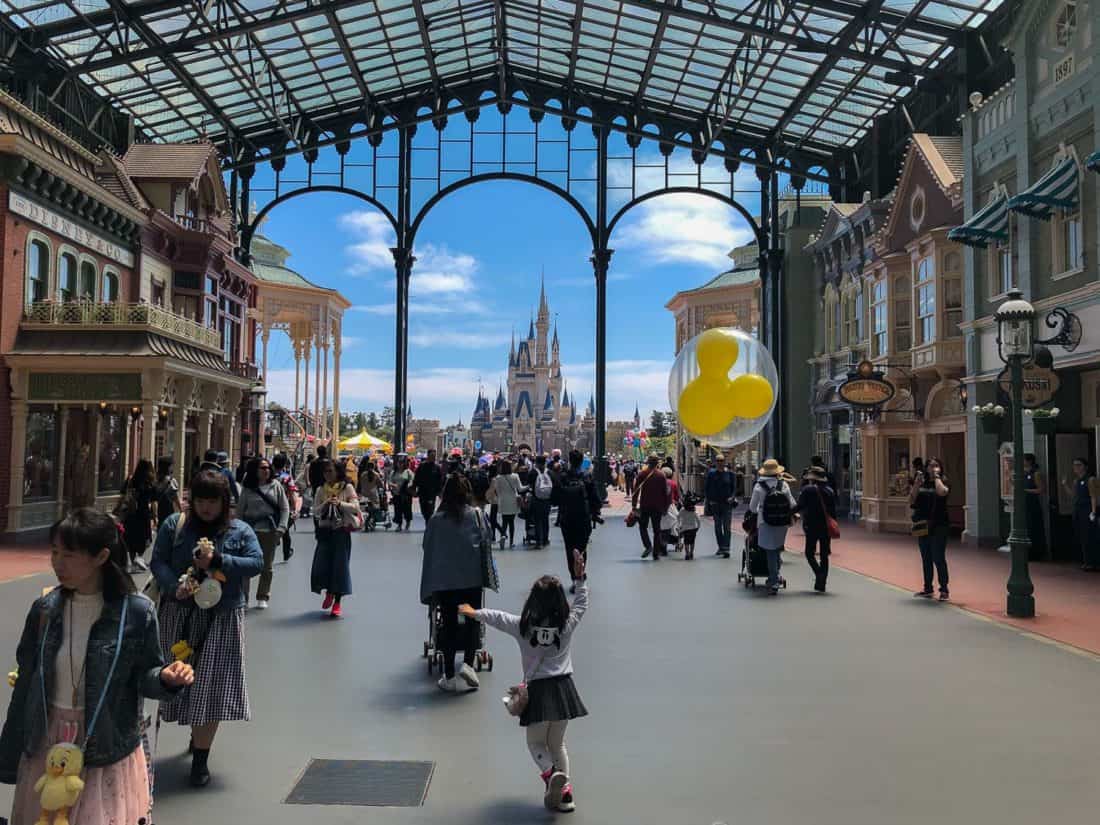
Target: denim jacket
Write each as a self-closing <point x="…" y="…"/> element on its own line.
<point x="137" y="675"/>
<point x="237" y="555"/>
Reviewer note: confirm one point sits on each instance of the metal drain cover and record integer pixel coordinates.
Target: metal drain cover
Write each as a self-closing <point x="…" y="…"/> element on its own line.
<point x="378" y="783"/>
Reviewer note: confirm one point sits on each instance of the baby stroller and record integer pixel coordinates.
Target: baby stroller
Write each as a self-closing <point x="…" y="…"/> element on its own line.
<point x="482" y="661"/>
<point x="530" y="528"/>
<point x="373" y="516"/>
<point x="754" y="560"/>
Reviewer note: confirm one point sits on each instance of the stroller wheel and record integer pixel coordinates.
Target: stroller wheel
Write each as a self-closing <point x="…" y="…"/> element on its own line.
<point x="425" y="650"/>
<point x="477" y="664"/>
<point x="489" y="656"/>
<point x="431" y="665"/>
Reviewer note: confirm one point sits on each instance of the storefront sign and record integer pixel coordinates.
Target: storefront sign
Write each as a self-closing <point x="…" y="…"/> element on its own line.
<point x="68" y="228"/>
<point x="866" y="387"/>
<point x="63" y="386"/>
<point x="1040" y="385"/>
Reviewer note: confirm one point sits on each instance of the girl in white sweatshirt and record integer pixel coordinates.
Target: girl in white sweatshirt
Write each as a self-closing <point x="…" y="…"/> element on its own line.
<point x="545" y="632"/>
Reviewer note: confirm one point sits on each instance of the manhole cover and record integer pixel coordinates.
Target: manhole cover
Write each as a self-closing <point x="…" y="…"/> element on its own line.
<point x="377" y="783"/>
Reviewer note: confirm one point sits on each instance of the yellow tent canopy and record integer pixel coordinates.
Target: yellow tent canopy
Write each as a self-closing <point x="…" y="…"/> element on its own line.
<point x="365" y="441"/>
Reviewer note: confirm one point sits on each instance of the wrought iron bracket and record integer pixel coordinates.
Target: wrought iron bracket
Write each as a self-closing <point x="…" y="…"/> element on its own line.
<point x="1068" y="336"/>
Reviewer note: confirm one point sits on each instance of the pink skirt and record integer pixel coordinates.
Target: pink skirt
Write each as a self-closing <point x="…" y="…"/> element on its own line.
<point x="115" y="794"/>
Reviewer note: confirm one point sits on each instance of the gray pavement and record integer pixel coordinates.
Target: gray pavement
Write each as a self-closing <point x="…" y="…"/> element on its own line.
<point x="709" y="703"/>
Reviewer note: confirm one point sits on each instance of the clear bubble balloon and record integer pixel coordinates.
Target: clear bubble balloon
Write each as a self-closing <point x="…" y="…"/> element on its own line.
<point x="723" y="387"/>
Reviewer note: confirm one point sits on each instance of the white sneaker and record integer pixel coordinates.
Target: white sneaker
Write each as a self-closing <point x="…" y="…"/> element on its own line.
<point x="554" y="788"/>
<point x="448" y="685"/>
<point x="467" y="674"/>
<point x="140" y="564"/>
<point x="261" y="604"/>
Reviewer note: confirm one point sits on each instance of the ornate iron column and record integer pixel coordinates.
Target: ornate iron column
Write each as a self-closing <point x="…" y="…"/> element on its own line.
<point x="778" y="320"/>
<point x="403" y="263"/>
<point x="601" y="260"/>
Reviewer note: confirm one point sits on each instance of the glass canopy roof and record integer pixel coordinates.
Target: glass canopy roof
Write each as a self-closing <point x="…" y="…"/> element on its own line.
<point x="807" y="73"/>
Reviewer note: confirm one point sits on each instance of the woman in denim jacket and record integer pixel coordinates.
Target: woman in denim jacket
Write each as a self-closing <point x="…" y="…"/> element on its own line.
<point x="215" y="635"/>
<point x="65" y="672"/>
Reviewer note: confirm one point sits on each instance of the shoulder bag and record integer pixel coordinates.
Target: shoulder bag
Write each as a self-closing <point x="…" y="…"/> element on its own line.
<point x="830" y="522"/>
<point x="515" y="700"/>
<point x="152" y="589"/>
<point x="490" y="575"/>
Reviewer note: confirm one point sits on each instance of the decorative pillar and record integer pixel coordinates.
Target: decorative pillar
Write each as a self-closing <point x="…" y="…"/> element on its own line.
<point x="18" y="458"/>
<point x="319" y="345"/>
<point x="178" y="446"/>
<point x="305" y="395"/>
<point x="149" y="429"/>
<point x="97" y="441"/>
<point x="323" y="411"/>
<point x="127" y="433"/>
<point x="601" y="261"/>
<point x="62" y="455"/>
<point x="403" y="263"/>
<point x="336" y="348"/>
<point x="233" y="397"/>
<point x="297" y="371"/>
<point x="265" y="336"/>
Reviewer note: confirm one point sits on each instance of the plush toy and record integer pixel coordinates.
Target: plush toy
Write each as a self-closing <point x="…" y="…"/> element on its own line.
<point x="13" y="676"/>
<point x="60" y="786"/>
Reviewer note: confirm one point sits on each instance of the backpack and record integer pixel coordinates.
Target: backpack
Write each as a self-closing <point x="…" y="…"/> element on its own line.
<point x="291" y="490"/>
<point x="573" y="501"/>
<point x="776" y="509"/>
<point x="544" y="486"/>
<point x="166" y="498"/>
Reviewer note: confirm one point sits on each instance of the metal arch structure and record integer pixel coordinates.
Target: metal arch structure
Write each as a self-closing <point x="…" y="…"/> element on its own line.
<point x="785" y="86"/>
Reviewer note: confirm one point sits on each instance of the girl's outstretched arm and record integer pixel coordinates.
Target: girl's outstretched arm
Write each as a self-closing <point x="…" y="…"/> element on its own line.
<point x="506" y="622"/>
<point x="580" y="605"/>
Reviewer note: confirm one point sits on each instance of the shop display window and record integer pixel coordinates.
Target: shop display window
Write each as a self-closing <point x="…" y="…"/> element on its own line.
<point x="38" y="271"/>
<point x="898" y="455"/>
<point x="40" y="459"/>
<point x="111" y="442"/>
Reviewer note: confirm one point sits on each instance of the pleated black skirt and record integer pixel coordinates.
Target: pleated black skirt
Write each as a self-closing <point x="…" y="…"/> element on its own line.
<point x="552" y="700"/>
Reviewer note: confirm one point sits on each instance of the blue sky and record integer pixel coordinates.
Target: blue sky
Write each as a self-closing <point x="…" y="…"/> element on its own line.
<point x="480" y="255"/>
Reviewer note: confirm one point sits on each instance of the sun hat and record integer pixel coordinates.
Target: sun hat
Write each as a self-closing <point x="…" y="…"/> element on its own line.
<point x="667" y="471"/>
<point x="772" y="468"/>
<point x="816" y="474"/>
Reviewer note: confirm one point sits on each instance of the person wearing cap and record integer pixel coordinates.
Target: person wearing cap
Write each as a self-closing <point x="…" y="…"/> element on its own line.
<point x="774" y="515"/>
<point x="817" y="503"/>
<point x="651" y="499"/>
<point x="720" y="491"/>
<point x="223" y="466"/>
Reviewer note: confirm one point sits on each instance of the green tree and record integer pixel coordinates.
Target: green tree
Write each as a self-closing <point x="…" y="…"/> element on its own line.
<point x="657" y="426"/>
<point x="671" y="422"/>
<point x="373" y="424"/>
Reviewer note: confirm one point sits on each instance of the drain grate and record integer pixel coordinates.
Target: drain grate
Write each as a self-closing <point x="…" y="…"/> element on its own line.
<point x="377" y="783"/>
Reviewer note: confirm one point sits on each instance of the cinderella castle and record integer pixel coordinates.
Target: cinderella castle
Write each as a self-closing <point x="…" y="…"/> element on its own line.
<point x="535" y="412"/>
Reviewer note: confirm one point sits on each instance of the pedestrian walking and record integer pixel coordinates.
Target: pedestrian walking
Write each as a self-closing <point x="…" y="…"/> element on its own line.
<point x="816" y="505"/>
<point x="234" y="486"/>
<point x="427" y="485"/>
<point x="205" y="545"/>
<point x="687" y="523"/>
<point x="1036" y="490"/>
<point x="1083" y="489"/>
<point x="544" y="632"/>
<point x="401" y="484"/>
<point x="453" y="573"/>
<point x="316" y="473"/>
<point x="264" y="508"/>
<point x="137" y="512"/>
<point x="543" y="485"/>
<point x="70" y="643"/>
<point x="651" y="500"/>
<point x="280" y="465"/>
<point x="720" y="491"/>
<point x="773" y="505"/>
<point x="167" y="490"/>
<point x="335" y="515"/>
<point x="630" y="472"/>
<point x="578" y="501"/>
<point x="508" y="489"/>
<point x="928" y="498"/>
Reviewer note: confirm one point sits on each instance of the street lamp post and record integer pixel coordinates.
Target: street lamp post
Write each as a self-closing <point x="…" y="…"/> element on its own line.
<point x="1014" y="340"/>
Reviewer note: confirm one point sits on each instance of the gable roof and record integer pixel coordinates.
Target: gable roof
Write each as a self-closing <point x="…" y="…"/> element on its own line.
<point x="164" y="161"/>
<point x="111" y="175"/>
<point x="943" y="158"/>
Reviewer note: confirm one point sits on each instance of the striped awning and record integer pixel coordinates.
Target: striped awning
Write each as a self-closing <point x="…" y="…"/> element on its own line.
<point x="1057" y="189"/>
<point x="1093" y="162"/>
<point x="988" y="225"/>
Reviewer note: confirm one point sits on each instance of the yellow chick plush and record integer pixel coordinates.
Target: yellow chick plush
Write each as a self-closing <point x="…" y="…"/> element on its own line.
<point x="60" y="786"/>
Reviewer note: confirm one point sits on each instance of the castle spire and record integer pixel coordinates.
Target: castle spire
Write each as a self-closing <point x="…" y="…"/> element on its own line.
<point x="544" y="308"/>
<point x="531" y="329"/>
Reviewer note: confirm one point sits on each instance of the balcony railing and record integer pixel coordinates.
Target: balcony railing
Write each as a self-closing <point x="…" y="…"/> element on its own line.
<point x="243" y="369"/>
<point x="93" y="314"/>
<point x="210" y="226"/>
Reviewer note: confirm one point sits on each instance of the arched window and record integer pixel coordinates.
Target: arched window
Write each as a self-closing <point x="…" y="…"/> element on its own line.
<point x="88" y="277"/>
<point x="66" y="277"/>
<point x="926" y="300"/>
<point x="109" y="292"/>
<point x="38" y="271"/>
<point x="878" y="319"/>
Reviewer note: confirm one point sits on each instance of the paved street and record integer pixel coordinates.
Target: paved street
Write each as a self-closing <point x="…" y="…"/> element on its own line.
<point x="709" y="703"/>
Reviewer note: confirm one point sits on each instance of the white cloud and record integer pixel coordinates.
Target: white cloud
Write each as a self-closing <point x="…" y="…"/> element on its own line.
<point x="460" y="339"/>
<point x="644" y="382"/>
<point x="375" y="237"/>
<point x="375" y="309"/>
<point x="683" y="228"/>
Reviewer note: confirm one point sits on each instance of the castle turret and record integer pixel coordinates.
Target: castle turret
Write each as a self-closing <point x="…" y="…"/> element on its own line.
<point x="543" y="326"/>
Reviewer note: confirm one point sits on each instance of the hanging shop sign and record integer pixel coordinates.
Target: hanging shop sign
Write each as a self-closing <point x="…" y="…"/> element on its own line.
<point x="866" y="387"/>
<point x="1040" y="385"/>
<point x="68" y="228"/>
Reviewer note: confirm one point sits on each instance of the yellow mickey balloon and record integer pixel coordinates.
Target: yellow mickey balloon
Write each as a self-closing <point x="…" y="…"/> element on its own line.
<point x="710" y="404"/>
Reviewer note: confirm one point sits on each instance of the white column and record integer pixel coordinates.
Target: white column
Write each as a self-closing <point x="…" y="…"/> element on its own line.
<point x="305" y="395"/>
<point x="324" y="394"/>
<point x="265" y="336"/>
<point x="149" y="429"/>
<point x="318" y="429"/>
<point x="336" y="386"/>
<point x="62" y="456"/>
<point x="127" y="418"/>
<point x="297" y="370"/>
<point x="97" y="440"/>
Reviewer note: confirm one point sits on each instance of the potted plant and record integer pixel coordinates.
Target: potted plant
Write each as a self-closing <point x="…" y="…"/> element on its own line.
<point x="1044" y="421"/>
<point x="990" y="418"/>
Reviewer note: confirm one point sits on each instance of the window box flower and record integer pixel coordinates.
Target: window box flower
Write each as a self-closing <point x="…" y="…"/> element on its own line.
<point x="990" y="418"/>
<point x="1044" y="421"/>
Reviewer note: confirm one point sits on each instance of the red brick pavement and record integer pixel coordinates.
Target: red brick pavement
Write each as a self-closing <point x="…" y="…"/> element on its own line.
<point x="23" y="560"/>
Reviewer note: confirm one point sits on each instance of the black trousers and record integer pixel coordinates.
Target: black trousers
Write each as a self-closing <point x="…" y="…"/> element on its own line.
<point x="575" y="538"/>
<point x="540" y="512"/>
<point x="402" y="510"/>
<point x="287" y="548"/>
<point x="645" y="519"/>
<point x="453" y="636"/>
<point x="508" y="526"/>
<point x="427" y="508"/>
<point x="819" y="543"/>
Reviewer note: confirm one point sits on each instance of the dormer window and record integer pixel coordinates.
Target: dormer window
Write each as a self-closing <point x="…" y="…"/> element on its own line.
<point x="1065" y="24"/>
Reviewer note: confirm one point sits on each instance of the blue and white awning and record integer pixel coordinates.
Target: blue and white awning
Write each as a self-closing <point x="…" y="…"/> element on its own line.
<point x="1093" y="162"/>
<point x="988" y="225"/>
<point x="1057" y="189"/>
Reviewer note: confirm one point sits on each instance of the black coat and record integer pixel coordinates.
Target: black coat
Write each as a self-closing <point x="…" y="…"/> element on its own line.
<point x="814" y="501"/>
